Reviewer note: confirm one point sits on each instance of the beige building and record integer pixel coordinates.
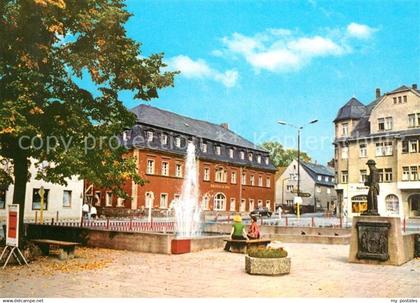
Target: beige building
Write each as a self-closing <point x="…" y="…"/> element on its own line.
<point x="388" y="131"/>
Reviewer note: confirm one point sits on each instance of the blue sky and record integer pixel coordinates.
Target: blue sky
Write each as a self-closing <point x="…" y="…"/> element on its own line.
<point x="252" y="63"/>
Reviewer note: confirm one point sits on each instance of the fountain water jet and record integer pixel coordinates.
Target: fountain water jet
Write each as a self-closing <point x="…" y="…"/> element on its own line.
<point x="187" y="208"/>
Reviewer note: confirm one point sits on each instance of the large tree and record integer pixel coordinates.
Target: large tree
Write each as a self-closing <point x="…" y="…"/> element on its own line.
<point x="45" y="47"/>
<point x="283" y="157"/>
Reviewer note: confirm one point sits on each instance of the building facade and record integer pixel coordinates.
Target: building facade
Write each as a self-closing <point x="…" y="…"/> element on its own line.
<point x="388" y="131"/>
<point x="233" y="173"/>
<point x="62" y="202"/>
<point x="316" y="180"/>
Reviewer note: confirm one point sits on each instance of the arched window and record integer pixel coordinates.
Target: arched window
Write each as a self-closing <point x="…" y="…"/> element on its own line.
<point x="392" y="204"/>
<point x="219" y="202"/>
<point x="359" y="204"/>
<point x="221" y="174"/>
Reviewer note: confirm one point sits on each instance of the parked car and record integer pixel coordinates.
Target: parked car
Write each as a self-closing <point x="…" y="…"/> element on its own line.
<point x="261" y="212"/>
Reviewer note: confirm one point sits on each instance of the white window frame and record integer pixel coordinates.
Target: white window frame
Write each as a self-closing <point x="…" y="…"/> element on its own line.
<point x="242" y="154"/>
<point x="108" y="198"/>
<point x="178" y="170"/>
<point x="345" y="176"/>
<point x="219" y="202"/>
<point x="69" y="192"/>
<point x="411" y="120"/>
<point x="233" y="177"/>
<point x="251" y="205"/>
<point x="267" y="160"/>
<point x="231" y="152"/>
<point x="149" y="134"/>
<point x="165" y="168"/>
<point x="120" y="202"/>
<point x="218" y="150"/>
<point x="406" y="173"/>
<point x="260" y="181"/>
<point x="232" y="203"/>
<point x="164" y="139"/>
<point x="252" y="180"/>
<point x="163" y="203"/>
<point x="178" y="142"/>
<point x="243" y="179"/>
<point x="363" y="150"/>
<point x="250" y="157"/>
<point x="204" y="147"/>
<point x="150" y="169"/>
<point x="388" y="123"/>
<point x="206" y="174"/>
<point x="345" y="129"/>
<point x="268" y="182"/>
<point x="268" y="204"/>
<point x="242" y="206"/>
<point x="220" y="175"/>
<point x="259" y="159"/>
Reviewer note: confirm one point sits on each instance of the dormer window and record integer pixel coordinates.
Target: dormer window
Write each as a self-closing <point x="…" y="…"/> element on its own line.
<point x="231" y="152"/>
<point x="126" y="135"/>
<point x="178" y="141"/>
<point x="164" y="139"/>
<point x="266" y="160"/>
<point x="149" y="136"/>
<point x="250" y="156"/>
<point x="218" y="150"/>
<point x="242" y="155"/>
<point x="204" y="147"/>
<point x="319" y="178"/>
<point x="259" y="159"/>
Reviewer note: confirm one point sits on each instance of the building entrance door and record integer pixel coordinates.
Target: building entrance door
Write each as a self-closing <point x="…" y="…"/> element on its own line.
<point x="414" y="205"/>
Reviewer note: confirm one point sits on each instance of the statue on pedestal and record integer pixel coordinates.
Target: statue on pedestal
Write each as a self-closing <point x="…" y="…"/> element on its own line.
<point x="373" y="183"/>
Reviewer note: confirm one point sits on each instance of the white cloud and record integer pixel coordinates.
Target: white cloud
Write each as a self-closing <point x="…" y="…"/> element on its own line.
<point x="360" y="31"/>
<point x="283" y="50"/>
<point x="190" y="68"/>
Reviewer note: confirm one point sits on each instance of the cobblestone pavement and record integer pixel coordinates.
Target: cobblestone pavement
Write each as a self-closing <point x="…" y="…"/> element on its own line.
<point x="317" y="271"/>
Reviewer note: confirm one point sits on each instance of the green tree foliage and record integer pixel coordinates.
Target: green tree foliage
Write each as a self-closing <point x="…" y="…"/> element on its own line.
<point x="283" y="157"/>
<point x="45" y="46"/>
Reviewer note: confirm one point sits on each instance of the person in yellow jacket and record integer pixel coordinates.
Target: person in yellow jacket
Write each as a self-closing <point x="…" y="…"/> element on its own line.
<point x="238" y="231"/>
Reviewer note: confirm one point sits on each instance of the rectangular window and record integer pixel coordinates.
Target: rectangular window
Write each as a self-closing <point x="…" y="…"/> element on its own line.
<point x="149" y="136"/>
<point x="206" y="174"/>
<point x="252" y="180"/>
<point x="405" y="99"/>
<point x="411" y="120"/>
<point x="163" y="201"/>
<point x="2" y="199"/>
<point x="221" y="175"/>
<point x="395" y="100"/>
<point x="267" y="159"/>
<point x="318" y="189"/>
<point x="178" y="170"/>
<point x="345" y="129"/>
<point x="268" y="182"/>
<point x="178" y="142"/>
<point x="345" y="152"/>
<point x="242" y="154"/>
<point x="243" y="179"/>
<point x="233" y="177"/>
<point x="414" y="174"/>
<point x="381" y="175"/>
<point x="205" y="203"/>
<point x="231" y="152"/>
<point x="259" y="159"/>
<point x="388" y="148"/>
<point x="260" y="181"/>
<point x="319" y="178"/>
<point x="363" y="175"/>
<point x="164" y="139"/>
<point x="406" y="173"/>
<point x="67" y="198"/>
<point x="108" y="199"/>
<point x="250" y="156"/>
<point x="251" y="205"/>
<point x="150" y="167"/>
<point x="363" y="150"/>
<point x="326" y="179"/>
<point x="388" y="175"/>
<point x="404" y="147"/>
<point x="120" y="202"/>
<point x="165" y="169"/>
<point x="218" y="150"/>
<point x="232" y="206"/>
<point x="204" y="147"/>
<point x="268" y="204"/>
<point x="328" y="190"/>
<point x="399" y="99"/>
<point x="36" y="199"/>
<point x="289" y="188"/>
<point x="388" y="123"/>
<point x="344" y="176"/>
<point x="418" y="119"/>
<point x="242" y="207"/>
<point x="413" y="146"/>
<point x="381" y="124"/>
<point x="260" y="203"/>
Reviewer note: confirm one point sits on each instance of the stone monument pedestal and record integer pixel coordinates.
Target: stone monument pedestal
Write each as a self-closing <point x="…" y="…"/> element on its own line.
<point x="379" y="240"/>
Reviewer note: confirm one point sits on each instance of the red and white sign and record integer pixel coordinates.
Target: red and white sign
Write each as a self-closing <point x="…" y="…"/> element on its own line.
<point x="12" y="223"/>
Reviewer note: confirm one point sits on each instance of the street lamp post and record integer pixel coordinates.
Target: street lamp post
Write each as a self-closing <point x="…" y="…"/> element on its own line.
<point x="299" y="129"/>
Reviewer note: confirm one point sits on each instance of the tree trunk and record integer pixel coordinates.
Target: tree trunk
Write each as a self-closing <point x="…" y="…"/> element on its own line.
<point x="21" y="166"/>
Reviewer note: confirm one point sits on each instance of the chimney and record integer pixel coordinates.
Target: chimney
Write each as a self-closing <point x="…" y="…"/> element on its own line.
<point x="378" y="93"/>
<point x="225" y="125"/>
<point x="414" y="86"/>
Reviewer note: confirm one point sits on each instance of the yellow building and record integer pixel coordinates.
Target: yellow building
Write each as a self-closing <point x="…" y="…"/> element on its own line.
<point x="388" y="131"/>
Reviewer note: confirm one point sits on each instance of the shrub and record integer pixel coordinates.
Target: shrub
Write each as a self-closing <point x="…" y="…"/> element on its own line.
<point x="267" y="252"/>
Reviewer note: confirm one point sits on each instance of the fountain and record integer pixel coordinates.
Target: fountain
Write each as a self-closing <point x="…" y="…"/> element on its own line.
<point x="187" y="208"/>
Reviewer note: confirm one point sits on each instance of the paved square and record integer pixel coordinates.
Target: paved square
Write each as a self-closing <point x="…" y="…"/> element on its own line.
<point x="317" y="271"/>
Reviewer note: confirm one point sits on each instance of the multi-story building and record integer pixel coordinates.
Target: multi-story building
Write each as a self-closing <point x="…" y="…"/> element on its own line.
<point x="315" y="179"/>
<point x="233" y="173"/>
<point x="60" y="201"/>
<point x="388" y="131"/>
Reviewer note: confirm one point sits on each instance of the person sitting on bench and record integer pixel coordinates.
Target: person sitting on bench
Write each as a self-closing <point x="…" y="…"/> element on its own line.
<point x="253" y="229"/>
<point x="238" y="231"/>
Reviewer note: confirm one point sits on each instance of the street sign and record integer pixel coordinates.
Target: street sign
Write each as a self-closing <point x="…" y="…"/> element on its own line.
<point x="12" y="224"/>
<point x="304" y="195"/>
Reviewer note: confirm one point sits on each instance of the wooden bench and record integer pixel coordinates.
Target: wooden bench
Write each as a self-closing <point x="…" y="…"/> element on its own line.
<point x="240" y="246"/>
<point x="66" y="248"/>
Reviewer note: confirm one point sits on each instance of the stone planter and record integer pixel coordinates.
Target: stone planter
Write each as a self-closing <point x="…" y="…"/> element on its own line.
<point x="267" y="266"/>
